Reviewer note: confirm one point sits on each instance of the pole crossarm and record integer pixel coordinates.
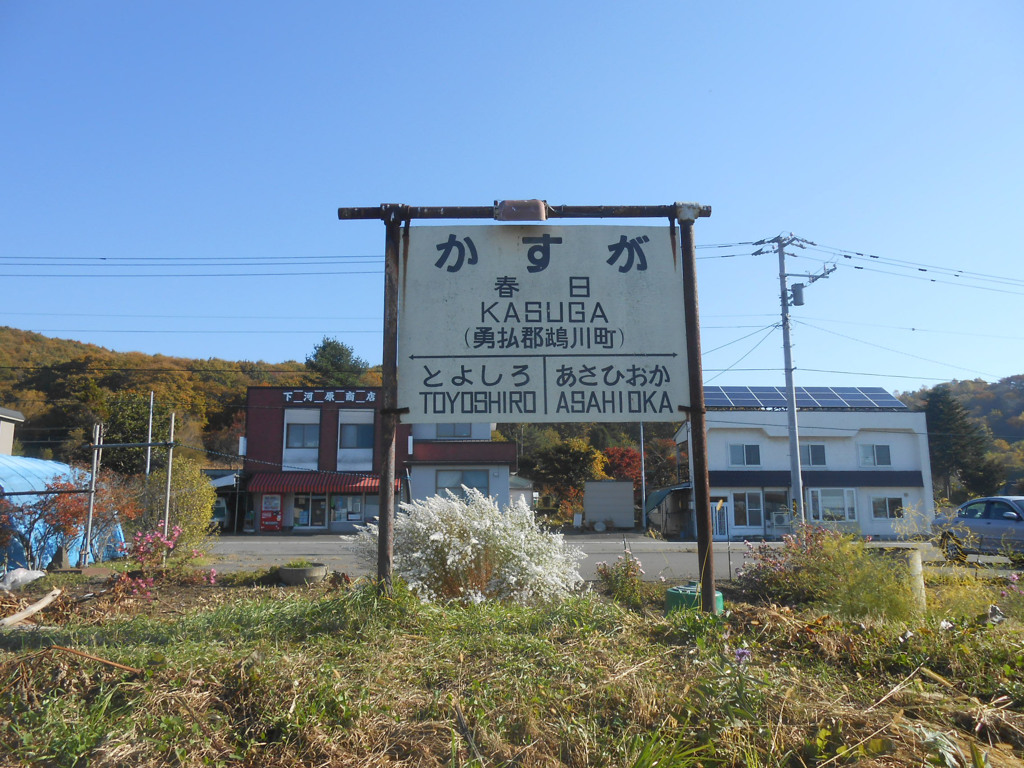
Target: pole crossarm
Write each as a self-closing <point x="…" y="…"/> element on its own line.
<point x="683" y="211"/>
<point x="101" y="446"/>
<point x="44" y="493"/>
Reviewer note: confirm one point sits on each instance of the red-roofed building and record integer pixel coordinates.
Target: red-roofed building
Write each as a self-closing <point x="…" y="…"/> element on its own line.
<point x="313" y="458"/>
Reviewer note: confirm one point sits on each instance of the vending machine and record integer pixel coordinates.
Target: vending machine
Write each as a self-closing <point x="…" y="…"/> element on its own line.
<point x="270" y="512"/>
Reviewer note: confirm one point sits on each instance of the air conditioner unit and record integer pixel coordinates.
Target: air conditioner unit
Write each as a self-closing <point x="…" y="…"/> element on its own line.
<point x="780" y="519"/>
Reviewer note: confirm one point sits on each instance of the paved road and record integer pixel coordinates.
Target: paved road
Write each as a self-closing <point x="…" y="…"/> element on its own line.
<point x="674" y="560"/>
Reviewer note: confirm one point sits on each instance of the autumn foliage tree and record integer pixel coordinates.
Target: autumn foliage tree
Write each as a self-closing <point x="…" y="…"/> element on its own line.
<point x="57" y="518"/>
<point x="563" y="469"/>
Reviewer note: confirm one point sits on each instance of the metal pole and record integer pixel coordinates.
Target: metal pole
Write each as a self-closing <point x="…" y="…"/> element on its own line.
<point x="167" y="492"/>
<point x="643" y="482"/>
<point x="238" y="496"/>
<point x="393" y="215"/>
<point x="698" y="423"/>
<point x="97" y="436"/>
<point x="149" y="435"/>
<point x="795" y="479"/>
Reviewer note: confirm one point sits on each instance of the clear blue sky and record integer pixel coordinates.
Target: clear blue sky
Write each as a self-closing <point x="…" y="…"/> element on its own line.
<point x="170" y="172"/>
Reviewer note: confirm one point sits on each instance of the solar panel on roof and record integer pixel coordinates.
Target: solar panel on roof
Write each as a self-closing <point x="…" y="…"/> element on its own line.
<point x="854" y="398"/>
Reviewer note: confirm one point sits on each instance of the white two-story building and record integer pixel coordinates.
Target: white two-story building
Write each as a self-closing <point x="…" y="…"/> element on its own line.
<point x="864" y="464"/>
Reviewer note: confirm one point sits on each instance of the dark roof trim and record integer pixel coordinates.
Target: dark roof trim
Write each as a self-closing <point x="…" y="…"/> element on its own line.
<point x="741" y="478"/>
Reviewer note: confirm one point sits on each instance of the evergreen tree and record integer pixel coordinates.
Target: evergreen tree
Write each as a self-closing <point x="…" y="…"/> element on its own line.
<point x="334" y="364"/>
<point x="956" y="446"/>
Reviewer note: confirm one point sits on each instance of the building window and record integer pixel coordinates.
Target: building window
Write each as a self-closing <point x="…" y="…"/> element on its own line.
<point x="355" y="436"/>
<point x="875" y="456"/>
<point x="453" y="430"/>
<point x="303" y="436"/>
<point x="309" y="511"/>
<point x="746" y="509"/>
<point x="886" y="508"/>
<point x="832" y="505"/>
<point x="347" y="508"/>
<point x="453" y="480"/>
<point x="745" y="455"/>
<point x="812" y="454"/>
<point x="777" y="508"/>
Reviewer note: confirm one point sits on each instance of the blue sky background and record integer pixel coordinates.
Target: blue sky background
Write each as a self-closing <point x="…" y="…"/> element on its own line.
<point x="170" y="172"/>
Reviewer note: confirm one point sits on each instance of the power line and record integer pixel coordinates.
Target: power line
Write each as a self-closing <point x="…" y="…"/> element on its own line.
<point x="275" y="318"/>
<point x="741" y="338"/>
<point x="897" y="351"/>
<point x="919" y="266"/>
<point x="744" y="356"/>
<point x="178" y="331"/>
<point x="204" y="274"/>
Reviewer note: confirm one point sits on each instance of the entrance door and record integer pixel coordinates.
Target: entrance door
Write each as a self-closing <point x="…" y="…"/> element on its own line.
<point x="720" y="518"/>
<point x="318" y="512"/>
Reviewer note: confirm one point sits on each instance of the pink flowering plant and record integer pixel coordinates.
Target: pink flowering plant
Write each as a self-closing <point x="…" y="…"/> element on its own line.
<point x="152" y="549"/>
<point x="156" y="555"/>
<point x="623" y="581"/>
<point x="1011" y="596"/>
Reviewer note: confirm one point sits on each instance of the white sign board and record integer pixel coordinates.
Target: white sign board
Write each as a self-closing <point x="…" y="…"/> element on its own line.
<point x="538" y="323"/>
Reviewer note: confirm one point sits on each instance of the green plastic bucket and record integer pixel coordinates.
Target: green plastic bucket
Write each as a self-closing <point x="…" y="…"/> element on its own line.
<point x="677" y="598"/>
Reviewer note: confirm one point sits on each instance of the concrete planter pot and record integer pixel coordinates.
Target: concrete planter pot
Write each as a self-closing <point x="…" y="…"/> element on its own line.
<point x="310" y="574"/>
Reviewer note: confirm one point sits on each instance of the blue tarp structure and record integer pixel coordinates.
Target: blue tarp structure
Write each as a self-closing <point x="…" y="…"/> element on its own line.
<point x="19" y="474"/>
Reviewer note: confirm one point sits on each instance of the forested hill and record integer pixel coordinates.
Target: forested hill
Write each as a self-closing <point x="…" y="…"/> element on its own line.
<point x="64" y="387"/>
<point x="996" y="410"/>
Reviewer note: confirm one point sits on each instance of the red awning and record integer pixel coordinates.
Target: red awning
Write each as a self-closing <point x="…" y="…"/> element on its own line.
<point x="311" y="482"/>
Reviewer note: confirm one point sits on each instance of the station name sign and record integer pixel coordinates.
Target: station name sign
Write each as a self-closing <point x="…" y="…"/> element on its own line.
<point x="506" y="323"/>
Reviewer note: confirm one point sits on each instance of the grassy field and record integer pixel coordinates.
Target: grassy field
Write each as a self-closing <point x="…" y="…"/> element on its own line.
<point x="337" y="675"/>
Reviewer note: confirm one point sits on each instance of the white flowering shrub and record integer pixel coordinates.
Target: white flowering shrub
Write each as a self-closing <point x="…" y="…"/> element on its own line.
<point x="469" y="550"/>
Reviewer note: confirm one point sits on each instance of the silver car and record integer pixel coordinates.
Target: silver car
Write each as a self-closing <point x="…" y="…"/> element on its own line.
<point x="993" y="525"/>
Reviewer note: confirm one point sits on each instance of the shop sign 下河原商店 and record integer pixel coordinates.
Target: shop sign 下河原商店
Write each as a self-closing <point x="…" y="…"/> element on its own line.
<point x="541" y="324"/>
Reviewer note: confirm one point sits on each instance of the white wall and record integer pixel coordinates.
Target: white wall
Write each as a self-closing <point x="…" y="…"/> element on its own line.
<point x="6" y="437"/>
<point x="841" y="432"/>
<point x="423" y="480"/>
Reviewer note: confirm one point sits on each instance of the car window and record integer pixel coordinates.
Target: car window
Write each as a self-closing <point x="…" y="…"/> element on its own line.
<point x="998" y="508"/>
<point x="973" y="511"/>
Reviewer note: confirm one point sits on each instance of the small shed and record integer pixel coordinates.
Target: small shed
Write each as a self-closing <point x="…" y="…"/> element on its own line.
<point x="609" y="503"/>
<point x="521" y="488"/>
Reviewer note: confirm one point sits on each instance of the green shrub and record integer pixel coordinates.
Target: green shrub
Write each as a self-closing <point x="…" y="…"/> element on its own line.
<point x="832" y="570"/>
<point x="623" y="582"/>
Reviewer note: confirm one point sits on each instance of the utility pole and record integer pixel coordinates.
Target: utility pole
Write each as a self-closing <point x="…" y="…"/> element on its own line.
<point x="796" y="482"/>
<point x="792" y="297"/>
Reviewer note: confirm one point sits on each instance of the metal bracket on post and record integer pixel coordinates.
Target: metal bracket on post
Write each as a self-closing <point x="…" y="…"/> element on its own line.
<point x="691" y="211"/>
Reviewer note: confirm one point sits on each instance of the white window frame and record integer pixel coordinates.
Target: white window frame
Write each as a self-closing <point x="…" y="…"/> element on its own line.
<point x="807" y="454"/>
<point x="454" y="430"/>
<point x="455" y="486"/>
<point x="890" y="512"/>
<point x="747" y="509"/>
<point x="745" y="450"/>
<point x="814" y="505"/>
<point x="870" y="455"/>
<point x="361" y="432"/>
<point x="306" y="430"/>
